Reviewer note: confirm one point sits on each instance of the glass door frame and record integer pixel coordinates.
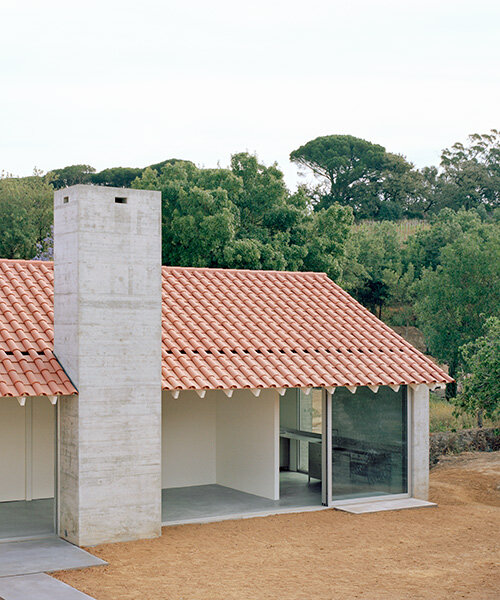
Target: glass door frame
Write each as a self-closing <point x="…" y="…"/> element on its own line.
<point x="327" y="462"/>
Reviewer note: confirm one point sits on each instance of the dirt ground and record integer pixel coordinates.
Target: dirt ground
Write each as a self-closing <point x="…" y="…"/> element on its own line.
<point x="452" y="551"/>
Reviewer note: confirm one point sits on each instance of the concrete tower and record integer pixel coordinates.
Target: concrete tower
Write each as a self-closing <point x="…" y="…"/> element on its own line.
<point x="107" y="321"/>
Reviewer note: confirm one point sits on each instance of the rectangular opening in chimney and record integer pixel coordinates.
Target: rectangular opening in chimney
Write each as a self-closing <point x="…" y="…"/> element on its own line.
<point x="120" y="200"/>
<point x="66" y="199"/>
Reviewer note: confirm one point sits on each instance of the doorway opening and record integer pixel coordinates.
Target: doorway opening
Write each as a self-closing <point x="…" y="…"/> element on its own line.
<point x="301" y="446"/>
<point x="27" y="459"/>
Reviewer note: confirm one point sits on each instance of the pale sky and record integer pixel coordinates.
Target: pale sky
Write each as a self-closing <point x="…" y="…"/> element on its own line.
<point x="122" y="83"/>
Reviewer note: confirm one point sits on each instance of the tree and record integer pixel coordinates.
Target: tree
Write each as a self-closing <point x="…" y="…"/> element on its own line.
<point x="116" y="176"/>
<point x="244" y="217"/>
<point x="372" y="268"/>
<point x="481" y="373"/>
<point x="423" y="249"/>
<point x="471" y="172"/>
<point x="343" y="161"/>
<point x="357" y="173"/>
<point x="455" y="298"/>
<point x="71" y="175"/>
<point x="25" y="214"/>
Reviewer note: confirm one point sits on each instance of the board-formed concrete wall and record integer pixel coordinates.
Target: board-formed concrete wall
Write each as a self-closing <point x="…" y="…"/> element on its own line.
<point x="107" y="321"/>
<point x="418" y="442"/>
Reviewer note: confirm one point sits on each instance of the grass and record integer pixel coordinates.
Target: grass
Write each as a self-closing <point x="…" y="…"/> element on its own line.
<point x="441" y="417"/>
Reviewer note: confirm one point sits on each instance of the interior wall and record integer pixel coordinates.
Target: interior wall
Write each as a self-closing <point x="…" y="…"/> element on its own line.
<point x="12" y="450"/>
<point x="188" y="439"/>
<point x="27" y="442"/>
<point x="43" y="446"/>
<point x="248" y="442"/>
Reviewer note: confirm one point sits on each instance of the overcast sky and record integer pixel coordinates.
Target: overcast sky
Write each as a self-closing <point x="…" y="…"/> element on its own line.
<point x="131" y="83"/>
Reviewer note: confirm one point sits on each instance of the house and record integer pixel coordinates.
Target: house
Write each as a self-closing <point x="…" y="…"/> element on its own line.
<point x="133" y="394"/>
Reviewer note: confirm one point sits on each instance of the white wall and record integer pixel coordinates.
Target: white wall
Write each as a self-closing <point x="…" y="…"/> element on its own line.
<point x="26" y="449"/>
<point x="43" y="448"/>
<point x="230" y="441"/>
<point x="188" y="440"/>
<point x="248" y="442"/>
<point x="12" y="450"/>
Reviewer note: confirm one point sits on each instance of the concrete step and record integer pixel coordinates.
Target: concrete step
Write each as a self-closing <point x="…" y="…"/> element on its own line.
<point x="360" y="508"/>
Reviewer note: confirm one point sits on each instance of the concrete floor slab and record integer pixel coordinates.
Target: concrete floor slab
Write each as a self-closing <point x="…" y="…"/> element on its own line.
<point x="38" y="556"/>
<point x="27" y="519"/>
<point x="382" y="505"/>
<point x="38" y="587"/>
<point x="204" y="503"/>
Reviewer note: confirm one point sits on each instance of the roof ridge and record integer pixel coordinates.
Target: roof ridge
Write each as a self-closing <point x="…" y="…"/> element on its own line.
<point x="25" y="261"/>
<point x="182" y="268"/>
<point x="233" y="270"/>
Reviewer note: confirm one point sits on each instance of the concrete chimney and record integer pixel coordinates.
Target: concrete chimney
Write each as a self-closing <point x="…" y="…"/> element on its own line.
<point x="107" y="321"/>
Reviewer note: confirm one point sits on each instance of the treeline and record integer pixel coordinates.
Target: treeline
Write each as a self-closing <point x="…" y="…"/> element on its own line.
<point x="443" y="275"/>
<point x="380" y="185"/>
<point x="375" y="183"/>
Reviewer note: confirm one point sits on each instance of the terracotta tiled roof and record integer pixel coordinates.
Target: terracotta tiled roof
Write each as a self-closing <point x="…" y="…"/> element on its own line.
<point x="221" y="329"/>
<point x="28" y="366"/>
<point x="256" y="329"/>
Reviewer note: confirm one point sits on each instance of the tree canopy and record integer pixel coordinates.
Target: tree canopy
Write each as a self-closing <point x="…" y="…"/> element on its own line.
<point x="25" y="215"/>
<point x="244" y="217"/>
<point x="384" y="186"/>
<point x="455" y="298"/>
<point x="71" y="175"/>
<point x="471" y="172"/>
<point x="372" y="264"/>
<point x="360" y="174"/>
<point x="481" y="372"/>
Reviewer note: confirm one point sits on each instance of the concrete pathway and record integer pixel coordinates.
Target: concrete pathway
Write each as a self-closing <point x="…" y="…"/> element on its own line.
<point x="39" y="556"/>
<point x="38" y="587"/>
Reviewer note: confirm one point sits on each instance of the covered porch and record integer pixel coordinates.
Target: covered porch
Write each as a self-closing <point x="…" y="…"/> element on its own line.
<point x="27" y="467"/>
<point x="252" y="453"/>
<point x="224" y="456"/>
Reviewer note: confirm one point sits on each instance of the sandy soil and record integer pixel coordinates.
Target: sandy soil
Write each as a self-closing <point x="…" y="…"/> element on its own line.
<point x="452" y="551"/>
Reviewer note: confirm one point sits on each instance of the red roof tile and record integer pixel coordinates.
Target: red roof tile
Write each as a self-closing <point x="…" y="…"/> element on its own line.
<point x="227" y="328"/>
<point x="28" y="366"/>
<point x="222" y="328"/>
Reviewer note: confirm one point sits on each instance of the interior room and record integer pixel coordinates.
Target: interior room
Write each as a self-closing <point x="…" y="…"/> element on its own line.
<point x="228" y="456"/>
<point x="301" y="425"/>
<point x="27" y="450"/>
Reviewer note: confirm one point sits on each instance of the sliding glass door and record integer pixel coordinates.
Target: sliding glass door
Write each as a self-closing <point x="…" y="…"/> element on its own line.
<point x="369" y="443"/>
